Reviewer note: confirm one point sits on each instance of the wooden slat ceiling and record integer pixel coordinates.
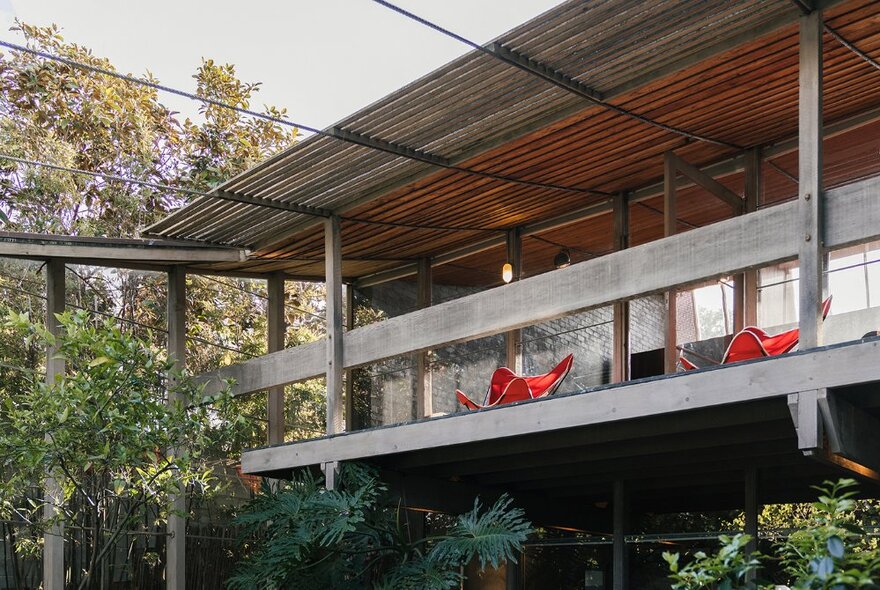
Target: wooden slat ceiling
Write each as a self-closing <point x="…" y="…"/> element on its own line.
<point x="746" y="96"/>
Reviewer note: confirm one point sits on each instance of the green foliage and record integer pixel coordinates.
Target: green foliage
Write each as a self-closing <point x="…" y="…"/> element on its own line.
<point x="305" y="536"/>
<point x="105" y="433"/>
<point x="67" y="116"/>
<point x="827" y="551"/>
<point x="726" y="570"/>
<point x="833" y="552"/>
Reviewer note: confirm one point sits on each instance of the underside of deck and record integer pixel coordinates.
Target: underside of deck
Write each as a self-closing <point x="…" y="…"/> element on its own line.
<point x="680" y="442"/>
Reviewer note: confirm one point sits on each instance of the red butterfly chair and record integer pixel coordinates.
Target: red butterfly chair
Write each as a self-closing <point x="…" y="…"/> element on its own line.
<point x="507" y="387"/>
<point x="752" y="343"/>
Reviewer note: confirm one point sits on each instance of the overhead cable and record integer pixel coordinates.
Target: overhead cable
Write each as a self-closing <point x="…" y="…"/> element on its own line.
<point x="543" y="72"/>
<point x="223" y="195"/>
<point x="333" y="133"/>
<point x="806" y="9"/>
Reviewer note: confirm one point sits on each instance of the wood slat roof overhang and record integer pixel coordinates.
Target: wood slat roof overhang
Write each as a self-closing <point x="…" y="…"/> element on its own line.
<point x="681" y="442"/>
<point x="720" y="68"/>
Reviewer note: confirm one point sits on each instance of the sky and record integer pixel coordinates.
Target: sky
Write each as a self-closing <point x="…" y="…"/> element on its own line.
<point x="321" y="59"/>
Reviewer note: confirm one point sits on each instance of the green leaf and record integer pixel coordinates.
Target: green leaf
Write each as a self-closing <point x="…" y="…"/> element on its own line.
<point x="835" y="547"/>
<point x="98" y="361"/>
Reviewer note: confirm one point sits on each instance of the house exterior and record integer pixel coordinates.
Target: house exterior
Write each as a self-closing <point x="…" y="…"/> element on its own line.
<point x="658" y="145"/>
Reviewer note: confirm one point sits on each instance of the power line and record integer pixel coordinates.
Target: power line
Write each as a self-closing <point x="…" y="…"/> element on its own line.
<point x="226" y="196"/>
<point x="783" y="171"/>
<point x="659" y="212"/>
<point x="806" y="8"/>
<point x="336" y="134"/>
<point x="261" y="296"/>
<point x="840" y="39"/>
<point x="128" y="321"/>
<point x="587" y="253"/>
<point x="557" y="79"/>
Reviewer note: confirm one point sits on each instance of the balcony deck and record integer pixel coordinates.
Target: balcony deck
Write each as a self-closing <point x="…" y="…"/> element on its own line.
<point x="693" y="432"/>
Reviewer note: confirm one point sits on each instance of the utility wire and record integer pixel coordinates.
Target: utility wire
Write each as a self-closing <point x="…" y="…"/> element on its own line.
<point x="332" y="134"/>
<point x="129" y="321"/>
<point x="165" y="187"/>
<point x="593" y="99"/>
<point x="659" y="212"/>
<point x="783" y="171"/>
<point x="840" y="39"/>
<point x="806" y="9"/>
<point x="261" y="296"/>
<point x="587" y="253"/>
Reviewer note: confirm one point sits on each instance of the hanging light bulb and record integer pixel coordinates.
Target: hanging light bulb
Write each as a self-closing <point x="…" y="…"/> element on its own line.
<point x="507" y="272"/>
<point x="562" y="259"/>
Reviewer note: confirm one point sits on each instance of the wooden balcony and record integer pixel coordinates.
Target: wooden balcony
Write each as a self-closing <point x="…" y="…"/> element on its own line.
<point x="695" y="430"/>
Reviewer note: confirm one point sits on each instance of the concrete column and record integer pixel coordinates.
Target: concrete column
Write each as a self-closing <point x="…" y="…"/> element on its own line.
<point x="53" y="540"/>
<point x="175" y="558"/>
<point x="333" y="278"/>
<point x="276" y="331"/>
<point x="424" y="393"/>
<point x="811" y="256"/>
<point x="348" y="374"/>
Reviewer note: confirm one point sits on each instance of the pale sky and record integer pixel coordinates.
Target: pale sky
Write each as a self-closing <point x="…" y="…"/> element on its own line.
<point x="322" y="59"/>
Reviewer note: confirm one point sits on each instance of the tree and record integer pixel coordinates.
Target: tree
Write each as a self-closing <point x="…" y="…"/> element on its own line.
<point x="63" y="115"/>
<point x="353" y="537"/>
<point x="104" y="431"/>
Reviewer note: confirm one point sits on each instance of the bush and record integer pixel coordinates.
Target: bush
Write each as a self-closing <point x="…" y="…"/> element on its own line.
<point x="828" y="552"/>
<point x="304" y="536"/>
